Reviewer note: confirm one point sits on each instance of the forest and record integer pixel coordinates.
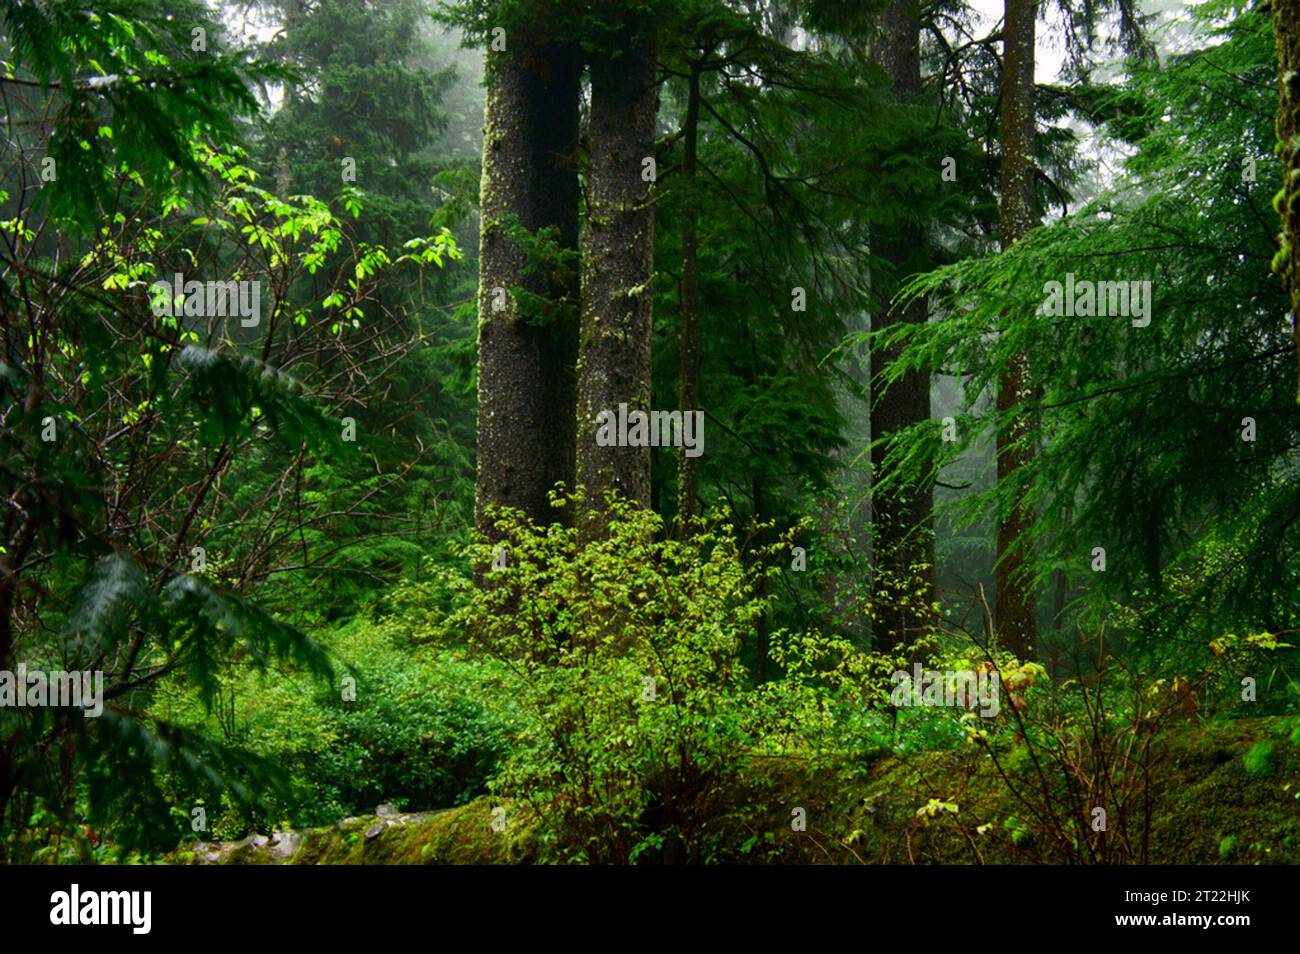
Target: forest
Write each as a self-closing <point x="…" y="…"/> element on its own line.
<point x="600" y="432"/>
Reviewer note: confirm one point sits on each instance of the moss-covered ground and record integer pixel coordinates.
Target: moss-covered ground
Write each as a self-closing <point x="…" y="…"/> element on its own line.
<point x="1219" y="792"/>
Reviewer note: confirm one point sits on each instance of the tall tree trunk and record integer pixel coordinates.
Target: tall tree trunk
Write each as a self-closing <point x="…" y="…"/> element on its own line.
<point x="903" y="517"/>
<point x="762" y="627"/>
<point x="526" y="362"/>
<point x="1014" y="609"/>
<point x="688" y="397"/>
<point x="617" y="267"/>
<point x="1286" y="29"/>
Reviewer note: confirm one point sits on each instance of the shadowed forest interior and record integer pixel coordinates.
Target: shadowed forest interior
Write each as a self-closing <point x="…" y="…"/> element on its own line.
<point x="613" y="431"/>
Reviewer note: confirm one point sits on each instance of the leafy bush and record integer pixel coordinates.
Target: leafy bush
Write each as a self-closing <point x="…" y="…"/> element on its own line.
<point x="412" y="730"/>
<point x="417" y="736"/>
<point x="624" y="655"/>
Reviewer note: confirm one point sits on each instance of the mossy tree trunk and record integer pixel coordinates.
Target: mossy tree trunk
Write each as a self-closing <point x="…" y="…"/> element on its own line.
<point x="617" y="267"/>
<point x="527" y="304"/>
<point x="1014" y="611"/>
<point x="688" y="394"/>
<point x="902" y="517"/>
<point x="1286" y="29"/>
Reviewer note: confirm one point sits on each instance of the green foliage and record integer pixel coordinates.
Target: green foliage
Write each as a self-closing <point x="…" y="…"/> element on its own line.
<point x="1139" y="430"/>
<point x="370" y="92"/>
<point x="420" y="735"/>
<point x="420" y="730"/>
<point x="376" y="86"/>
<point x="290" y="629"/>
<point x="624" y="660"/>
<point x="1020" y="835"/>
<point x="233" y="391"/>
<point x="128" y="433"/>
<point x="127" y="92"/>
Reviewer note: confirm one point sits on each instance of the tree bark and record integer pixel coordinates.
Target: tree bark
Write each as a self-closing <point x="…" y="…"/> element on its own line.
<point x="1286" y="30"/>
<point x="688" y="396"/>
<point x="1014" y="610"/>
<point x="526" y="362"/>
<point x="902" y="518"/>
<point x="617" y="269"/>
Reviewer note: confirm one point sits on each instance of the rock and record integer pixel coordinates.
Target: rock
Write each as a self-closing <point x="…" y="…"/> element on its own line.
<point x="285" y="845"/>
<point x="461" y="835"/>
<point x="386" y="809"/>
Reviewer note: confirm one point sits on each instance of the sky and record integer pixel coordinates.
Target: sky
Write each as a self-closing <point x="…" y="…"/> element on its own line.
<point x="1170" y="25"/>
<point x="1170" y="28"/>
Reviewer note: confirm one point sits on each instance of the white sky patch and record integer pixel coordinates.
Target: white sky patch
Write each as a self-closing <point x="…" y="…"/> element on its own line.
<point x="1170" y="28"/>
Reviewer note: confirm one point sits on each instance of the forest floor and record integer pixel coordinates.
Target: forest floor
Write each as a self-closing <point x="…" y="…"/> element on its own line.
<point x="1223" y="791"/>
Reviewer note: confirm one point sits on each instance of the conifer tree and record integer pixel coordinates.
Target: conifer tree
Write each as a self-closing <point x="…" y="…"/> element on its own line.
<point x="901" y="517"/>
<point x="527" y="327"/>
<point x="617" y="258"/>
<point x="1014" y="610"/>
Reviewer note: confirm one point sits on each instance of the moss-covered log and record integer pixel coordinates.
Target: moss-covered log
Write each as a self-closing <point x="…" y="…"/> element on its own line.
<point x="1225" y="793"/>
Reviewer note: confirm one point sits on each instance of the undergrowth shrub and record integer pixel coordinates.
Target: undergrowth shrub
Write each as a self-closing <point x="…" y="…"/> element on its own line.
<point x="625" y="657"/>
<point x="418" y="728"/>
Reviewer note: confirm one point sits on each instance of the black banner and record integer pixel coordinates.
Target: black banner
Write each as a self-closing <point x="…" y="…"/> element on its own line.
<point x="140" y="905"/>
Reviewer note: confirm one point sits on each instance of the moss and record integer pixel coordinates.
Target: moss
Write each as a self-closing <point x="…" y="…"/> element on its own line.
<point x="1280" y="259"/>
<point x="1198" y="793"/>
<point x="1259" y="760"/>
<point x="461" y="835"/>
<point x="1205" y="809"/>
<point x="1227" y="847"/>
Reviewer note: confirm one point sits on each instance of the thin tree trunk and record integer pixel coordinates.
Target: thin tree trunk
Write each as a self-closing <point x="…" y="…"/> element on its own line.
<point x="617" y="269"/>
<point x="1286" y="29"/>
<point x="762" y="628"/>
<point x="1061" y="586"/>
<point x="688" y="398"/>
<point x="903" y="517"/>
<point x="526" y="375"/>
<point x="1015" y="607"/>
